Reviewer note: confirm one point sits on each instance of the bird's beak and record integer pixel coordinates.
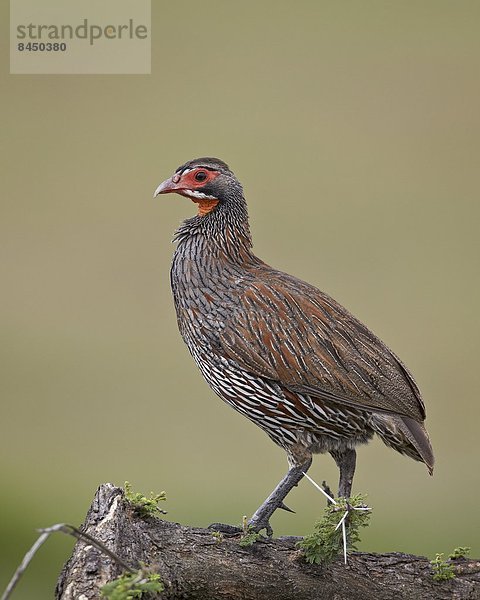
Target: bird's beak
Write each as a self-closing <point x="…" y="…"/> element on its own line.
<point x="169" y="185"/>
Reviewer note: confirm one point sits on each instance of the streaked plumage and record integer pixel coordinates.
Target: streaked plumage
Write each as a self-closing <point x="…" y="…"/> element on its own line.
<point x="277" y="349"/>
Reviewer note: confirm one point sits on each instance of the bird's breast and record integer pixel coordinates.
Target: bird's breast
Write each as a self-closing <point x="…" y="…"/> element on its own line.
<point x="204" y="289"/>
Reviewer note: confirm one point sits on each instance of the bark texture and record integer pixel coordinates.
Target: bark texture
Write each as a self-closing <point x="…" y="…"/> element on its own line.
<point x="195" y="565"/>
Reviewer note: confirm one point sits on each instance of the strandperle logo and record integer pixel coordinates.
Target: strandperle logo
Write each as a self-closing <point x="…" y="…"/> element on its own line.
<point x="75" y="37"/>
<point x="84" y="31"/>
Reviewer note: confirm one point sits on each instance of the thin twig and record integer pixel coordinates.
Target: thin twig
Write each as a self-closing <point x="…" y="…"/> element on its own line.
<point x="23" y="565"/>
<point x="344" y="536"/>
<point x="44" y="535"/>
<point x="83" y="535"/>
<point x="342" y="520"/>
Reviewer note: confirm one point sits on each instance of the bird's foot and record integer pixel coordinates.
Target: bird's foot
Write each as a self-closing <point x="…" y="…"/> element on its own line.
<point x="261" y="518"/>
<point x="227" y="530"/>
<point x="260" y="523"/>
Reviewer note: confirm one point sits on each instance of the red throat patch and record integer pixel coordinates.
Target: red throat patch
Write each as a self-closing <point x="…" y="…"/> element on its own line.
<point x="206" y="206"/>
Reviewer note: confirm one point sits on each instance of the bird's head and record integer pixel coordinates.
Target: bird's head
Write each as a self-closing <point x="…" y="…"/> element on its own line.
<point x="207" y="181"/>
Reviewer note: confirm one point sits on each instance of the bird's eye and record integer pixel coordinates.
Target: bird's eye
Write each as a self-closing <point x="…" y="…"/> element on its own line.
<point x="200" y="176"/>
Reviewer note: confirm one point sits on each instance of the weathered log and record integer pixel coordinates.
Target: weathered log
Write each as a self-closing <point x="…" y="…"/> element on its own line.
<point x="195" y="564"/>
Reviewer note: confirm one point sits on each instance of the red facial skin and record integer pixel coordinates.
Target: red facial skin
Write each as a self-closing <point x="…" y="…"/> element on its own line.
<point x="188" y="181"/>
<point x="183" y="183"/>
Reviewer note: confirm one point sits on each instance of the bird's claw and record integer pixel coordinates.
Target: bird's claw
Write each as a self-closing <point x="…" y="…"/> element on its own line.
<point x="233" y="530"/>
<point x="258" y="525"/>
<point x="283" y="506"/>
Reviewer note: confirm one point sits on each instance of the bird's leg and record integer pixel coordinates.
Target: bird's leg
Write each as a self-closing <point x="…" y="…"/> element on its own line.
<point x="346" y="461"/>
<point x="261" y="518"/>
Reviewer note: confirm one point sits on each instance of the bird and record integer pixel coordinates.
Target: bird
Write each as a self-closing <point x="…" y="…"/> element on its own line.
<point x="277" y="349"/>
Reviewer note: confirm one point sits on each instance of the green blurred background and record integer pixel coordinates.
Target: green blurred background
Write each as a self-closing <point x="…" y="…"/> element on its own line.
<point x="354" y="127"/>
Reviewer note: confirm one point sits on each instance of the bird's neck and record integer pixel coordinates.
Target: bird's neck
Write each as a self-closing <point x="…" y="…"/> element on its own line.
<point x="218" y="236"/>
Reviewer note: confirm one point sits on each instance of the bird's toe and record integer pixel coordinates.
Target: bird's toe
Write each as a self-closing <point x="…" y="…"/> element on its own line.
<point x="225" y="528"/>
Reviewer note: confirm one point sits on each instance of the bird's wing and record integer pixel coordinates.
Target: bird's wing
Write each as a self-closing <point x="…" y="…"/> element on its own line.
<point x="287" y="330"/>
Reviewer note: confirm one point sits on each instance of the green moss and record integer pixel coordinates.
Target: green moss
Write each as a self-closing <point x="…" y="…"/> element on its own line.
<point x="218" y="535"/>
<point x="460" y="552"/>
<point x="132" y="585"/>
<point x="326" y="541"/>
<point x="442" y="569"/>
<point x="142" y="505"/>
<point x="249" y="537"/>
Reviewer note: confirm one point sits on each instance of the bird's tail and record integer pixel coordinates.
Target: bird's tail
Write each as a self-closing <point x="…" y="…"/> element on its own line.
<point x="406" y="436"/>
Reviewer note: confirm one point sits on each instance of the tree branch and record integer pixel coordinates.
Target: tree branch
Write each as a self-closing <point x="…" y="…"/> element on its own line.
<point x="195" y="564"/>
